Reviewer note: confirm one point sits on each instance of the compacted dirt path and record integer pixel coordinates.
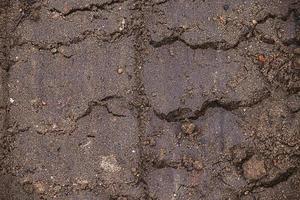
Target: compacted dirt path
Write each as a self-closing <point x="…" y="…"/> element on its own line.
<point x="141" y="100"/>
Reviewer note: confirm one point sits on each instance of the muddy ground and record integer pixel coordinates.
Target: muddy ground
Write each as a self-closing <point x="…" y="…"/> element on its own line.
<point x="150" y="100"/>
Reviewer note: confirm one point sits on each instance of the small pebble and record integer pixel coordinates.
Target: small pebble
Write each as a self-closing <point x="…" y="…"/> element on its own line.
<point x="54" y="50"/>
<point x="11" y="100"/>
<point x="172" y="52"/>
<point x="254" y="22"/>
<point x="297" y="62"/>
<point x="39" y="187"/>
<point x="188" y="128"/>
<point x="134" y="169"/>
<point x="122" y="198"/>
<point x="122" y="27"/>
<point x="54" y="126"/>
<point x="55" y="15"/>
<point x="261" y="58"/>
<point x="57" y="188"/>
<point x="297" y="51"/>
<point x="152" y="142"/>
<point x="28" y="187"/>
<point x="254" y="168"/>
<point x="83" y="184"/>
<point x="120" y="70"/>
<point x="198" y="165"/>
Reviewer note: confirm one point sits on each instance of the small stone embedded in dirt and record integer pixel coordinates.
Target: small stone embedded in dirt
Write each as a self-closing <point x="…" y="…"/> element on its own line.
<point x="122" y="27"/>
<point x="254" y="168"/>
<point x="54" y="50"/>
<point x="44" y="103"/>
<point x="135" y="171"/>
<point x="254" y="22"/>
<point x="120" y="70"/>
<point x="150" y="142"/>
<point x="83" y="184"/>
<point x="110" y="164"/>
<point x="261" y="58"/>
<point x="188" y="128"/>
<point x="187" y="162"/>
<point x="297" y="51"/>
<point x="55" y="15"/>
<point x="171" y="52"/>
<point x="27" y="187"/>
<point x="238" y="155"/>
<point x="57" y="188"/>
<point x="11" y="100"/>
<point x="222" y="20"/>
<point x="198" y="165"/>
<point x="39" y="187"/>
<point x="297" y="62"/>
<point x="121" y="198"/>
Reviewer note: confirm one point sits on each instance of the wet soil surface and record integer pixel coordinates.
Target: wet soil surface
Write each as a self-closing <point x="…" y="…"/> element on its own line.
<point x="141" y="100"/>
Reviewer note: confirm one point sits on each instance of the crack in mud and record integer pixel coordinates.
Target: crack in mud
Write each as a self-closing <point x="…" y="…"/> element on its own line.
<point x="280" y="178"/>
<point x="94" y="7"/>
<point x="101" y="36"/>
<point x="180" y="114"/>
<point x="175" y="36"/>
<point x="100" y="103"/>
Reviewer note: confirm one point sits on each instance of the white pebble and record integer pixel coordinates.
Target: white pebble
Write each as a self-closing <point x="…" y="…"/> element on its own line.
<point x="11" y="100"/>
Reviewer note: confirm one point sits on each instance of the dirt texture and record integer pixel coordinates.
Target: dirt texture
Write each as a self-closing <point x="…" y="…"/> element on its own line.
<point x="149" y="99"/>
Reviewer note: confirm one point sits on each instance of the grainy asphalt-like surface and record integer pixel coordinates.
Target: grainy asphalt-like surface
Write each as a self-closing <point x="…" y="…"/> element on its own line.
<point x="149" y="99"/>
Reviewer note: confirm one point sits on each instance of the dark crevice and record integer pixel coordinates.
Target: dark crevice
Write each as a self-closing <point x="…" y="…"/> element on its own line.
<point x="160" y="2"/>
<point x="282" y="177"/>
<point x="247" y="33"/>
<point x="28" y="9"/>
<point x="180" y="114"/>
<point x="216" y="45"/>
<point x="111" y="97"/>
<point x="98" y="35"/>
<point x="111" y="112"/>
<point x="268" y="16"/>
<point x="100" y="103"/>
<point x="184" y="163"/>
<point x="49" y="46"/>
<point x="94" y="7"/>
